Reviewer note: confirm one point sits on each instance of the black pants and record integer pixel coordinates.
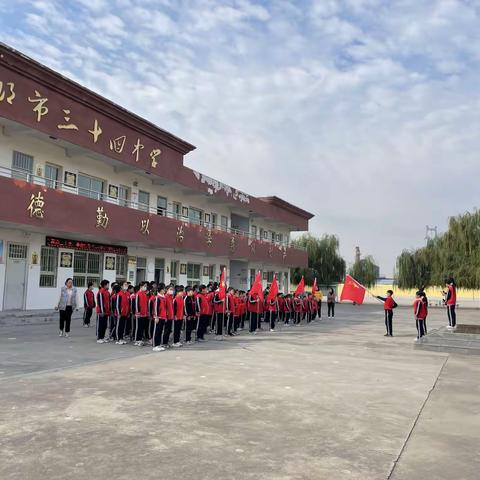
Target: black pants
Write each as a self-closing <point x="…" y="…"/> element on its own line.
<point x="219" y="319"/>
<point x="229" y="323"/>
<point x="420" y="328"/>
<point x="65" y="318"/>
<point x="242" y="320"/>
<point x="87" y="315"/>
<point x="177" y="330"/>
<point x="297" y="318"/>
<point x="203" y="323"/>
<point x="128" y="326"/>
<point x="140" y="327"/>
<point x="272" y="319"/>
<point x="320" y="309"/>
<point x="120" y="327"/>
<point x="253" y="321"/>
<point x="286" y="317"/>
<point x="111" y="326"/>
<point x="157" y="333"/>
<point x="236" y="323"/>
<point x="452" y="316"/>
<point x="166" y="332"/>
<point x="331" y="309"/>
<point x="190" y="326"/>
<point x="102" y="323"/>
<point x="388" y="321"/>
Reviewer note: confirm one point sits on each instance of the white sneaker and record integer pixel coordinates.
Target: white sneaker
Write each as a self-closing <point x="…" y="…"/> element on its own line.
<point x="158" y="349"/>
<point x="67" y="335"/>
<point x="100" y="340"/>
<point x="448" y="327"/>
<point x="178" y="344"/>
<point x="60" y="334"/>
<point x="188" y="343"/>
<point x="272" y="330"/>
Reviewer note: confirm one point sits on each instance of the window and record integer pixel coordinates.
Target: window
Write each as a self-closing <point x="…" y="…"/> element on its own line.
<point x="161" y="205"/>
<point x="123" y="195"/>
<point x="87" y="267"/>
<point x="211" y="273"/>
<point x="224" y="222"/>
<point x="193" y="274"/>
<point x="48" y="267"/>
<point x="270" y="277"/>
<point x="214" y="220"/>
<point x="272" y="236"/>
<point x="208" y="219"/>
<point x="22" y="166"/>
<point x="141" y="269"/>
<point x="253" y="274"/>
<point x="265" y="234"/>
<point x="185" y="212"/>
<point x="279" y="237"/>
<point x="177" y="210"/>
<point x="122" y="268"/>
<point x="159" y="270"/>
<point x="90" y="186"/>
<point x="173" y="272"/>
<point x="195" y="215"/>
<point x="254" y="231"/>
<point x="143" y="200"/>
<point x="52" y="175"/>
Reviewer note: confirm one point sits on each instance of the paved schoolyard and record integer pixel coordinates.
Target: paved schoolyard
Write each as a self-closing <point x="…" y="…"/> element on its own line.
<point x="332" y="400"/>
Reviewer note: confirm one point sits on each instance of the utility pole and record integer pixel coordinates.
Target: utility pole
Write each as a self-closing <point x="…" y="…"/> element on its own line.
<point x="430" y="233"/>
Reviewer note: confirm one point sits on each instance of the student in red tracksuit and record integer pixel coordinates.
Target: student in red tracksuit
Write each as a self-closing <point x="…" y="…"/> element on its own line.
<point x="159" y="318"/>
<point x="229" y="311"/>
<point x="288" y="309"/>
<point x="272" y="306"/>
<point x="307" y="307"/>
<point x="170" y="316"/>
<point x="388" y="305"/>
<point x="281" y="307"/>
<point x="219" y="309"/>
<point x="179" y="315"/>
<point x="88" y="304"/>
<point x="237" y="311"/>
<point x="132" y="290"/>
<point x="242" y="300"/>
<point x="141" y="314"/>
<point x="420" y="313"/>
<point x="451" y="302"/>
<point x="122" y="310"/>
<point x="253" y="307"/>
<point x="113" y="310"/>
<point x="313" y="307"/>
<point x="297" y="310"/>
<point x="203" y="309"/>
<point x="103" y="310"/>
<point x="190" y="314"/>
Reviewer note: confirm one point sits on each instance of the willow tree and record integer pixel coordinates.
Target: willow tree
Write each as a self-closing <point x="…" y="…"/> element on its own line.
<point x="324" y="260"/>
<point x="456" y="253"/>
<point x="365" y="271"/>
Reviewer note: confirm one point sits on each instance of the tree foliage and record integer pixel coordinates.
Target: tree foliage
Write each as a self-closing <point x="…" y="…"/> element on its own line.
<point x="324" y="260"/>
<point x="365" y="271"/>
<point x="456" y="253"/>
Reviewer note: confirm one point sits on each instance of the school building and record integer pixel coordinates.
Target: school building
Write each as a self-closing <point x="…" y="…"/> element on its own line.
<point x="89" y="190"/>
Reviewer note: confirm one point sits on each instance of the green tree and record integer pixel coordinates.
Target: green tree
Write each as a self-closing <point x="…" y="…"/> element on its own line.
<point x="456" y="253"/>
<point x="324" y="260"/>
<point x="365" y="271"/>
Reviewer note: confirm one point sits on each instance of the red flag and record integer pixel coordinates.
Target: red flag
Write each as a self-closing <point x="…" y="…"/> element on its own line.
<point x="352" y="290"/>
<point x="273" y="292"/>
<point x="222" y="287"/>
<point x="314" y="287"/>
<point x="257" y="286"/>
<point x="301" y="288"/>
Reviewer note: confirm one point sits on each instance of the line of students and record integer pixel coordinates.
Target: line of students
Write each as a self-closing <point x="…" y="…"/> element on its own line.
<point x="149" y="313"/>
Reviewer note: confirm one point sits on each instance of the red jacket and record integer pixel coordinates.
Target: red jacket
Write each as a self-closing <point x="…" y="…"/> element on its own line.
<point x="419" y="309"/>
<point x="219" y="304"/>
<point x="103" y="302"/>
<point x="178" y="306"/>
<point x="451" y="295"/>
<point x="160" y="307"/>
<point x="253" y="304"/>
<point x="122" y="304"/>
<point x="389" y="303"/>
<point x="169" y="306"/>
<point x="88" y="299"/>
<point x="141" y="304"/>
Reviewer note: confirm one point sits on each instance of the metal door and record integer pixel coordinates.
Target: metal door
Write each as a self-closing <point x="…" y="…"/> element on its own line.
<point x="14" y="296"/>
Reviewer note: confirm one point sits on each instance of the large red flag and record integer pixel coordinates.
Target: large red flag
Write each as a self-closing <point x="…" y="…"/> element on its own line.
<point x="273" y="292"/>
<point x="222" y="287"/>
<point x="257" y="286"/>
<point x="301" y="288"/>
<point x="314" y="287"/>
<point x="352" y="290"/>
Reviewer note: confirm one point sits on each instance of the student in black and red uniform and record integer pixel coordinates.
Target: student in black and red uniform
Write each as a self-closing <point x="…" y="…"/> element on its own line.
<point x="219" y="309"/>
<point x="170" y="316"/>
<point x="159" y="318"/>
<point x="88" y="304"/>
<point x="288" y="309"/>
<point x="388" y="305"/>
<point x="190" y="311"/>
<point x="451" y="302"/>
<point x="122" y="310"/>
<point x="203" y="308"/>
<point x="178" y="316"/>
<point x="253" y="307"/>
<point x="113" y="312"/>
<point x="229" y="311"/>
<point x="103" y="310"/>
<point x="141" y="314"/>
<point x="130" y="324"/>
<point x="420" y="313"/>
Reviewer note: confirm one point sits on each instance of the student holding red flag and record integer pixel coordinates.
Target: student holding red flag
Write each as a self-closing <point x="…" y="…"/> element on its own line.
<point x="297" y="301"/>
<point x="219" y="306"/>
<point x="388" y="305"/>
<point x="255" y="298"/>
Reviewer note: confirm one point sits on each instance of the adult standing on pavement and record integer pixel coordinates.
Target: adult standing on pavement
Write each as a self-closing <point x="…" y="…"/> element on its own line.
<point x="450" y="302"/>
<point x="67" y="303"/>
<point x="331" y="302"/>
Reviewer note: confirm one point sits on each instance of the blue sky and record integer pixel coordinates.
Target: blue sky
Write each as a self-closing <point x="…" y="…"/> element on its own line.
<point x="365" y="112"/>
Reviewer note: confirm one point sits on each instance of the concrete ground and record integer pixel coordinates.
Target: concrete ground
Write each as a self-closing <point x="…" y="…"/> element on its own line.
<point x="332" y="400"/>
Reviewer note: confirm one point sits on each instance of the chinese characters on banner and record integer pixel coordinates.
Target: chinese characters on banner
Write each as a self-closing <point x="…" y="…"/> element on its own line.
<point x="64" y="120"/>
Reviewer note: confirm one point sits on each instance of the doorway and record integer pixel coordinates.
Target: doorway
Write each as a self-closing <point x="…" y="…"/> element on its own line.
<point x="14" y="296"/>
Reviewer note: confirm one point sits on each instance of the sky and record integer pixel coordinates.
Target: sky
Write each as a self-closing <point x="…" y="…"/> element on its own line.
<point x="363" y="112"/>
